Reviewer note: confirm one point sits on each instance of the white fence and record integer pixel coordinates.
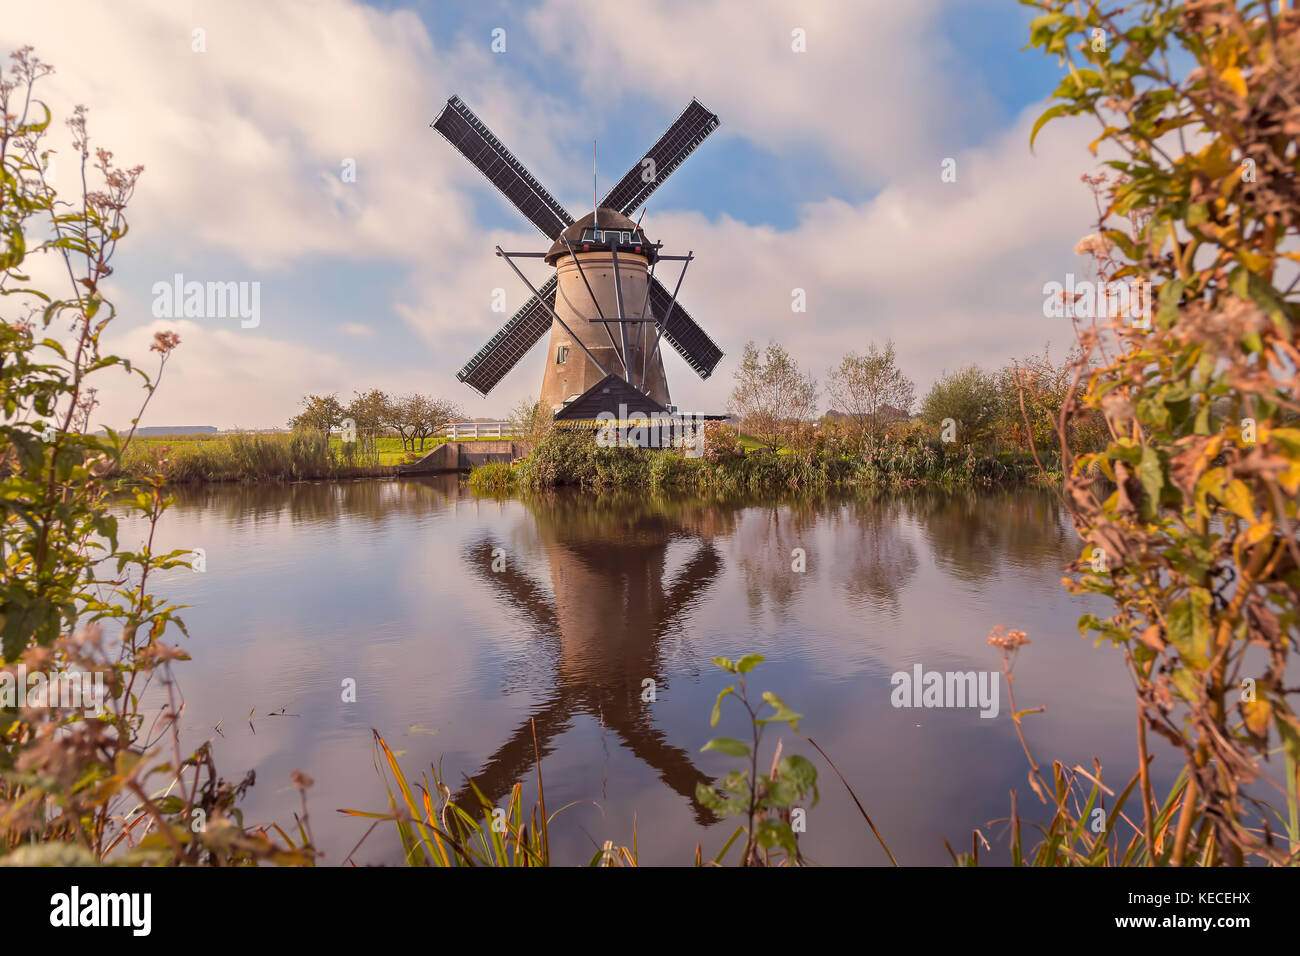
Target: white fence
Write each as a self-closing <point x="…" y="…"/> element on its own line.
<point x="457" y="430"/>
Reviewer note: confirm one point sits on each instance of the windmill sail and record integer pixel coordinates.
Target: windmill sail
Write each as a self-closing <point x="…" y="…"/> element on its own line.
<point x="684" y="333"/>
<point x="471" y="137"/>
<point x="493" y="361"/>
<point x="688" y="131"/>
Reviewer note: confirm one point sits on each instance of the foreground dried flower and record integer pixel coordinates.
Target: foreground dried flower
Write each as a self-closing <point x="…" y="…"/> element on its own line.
<point x="164" y="342"/>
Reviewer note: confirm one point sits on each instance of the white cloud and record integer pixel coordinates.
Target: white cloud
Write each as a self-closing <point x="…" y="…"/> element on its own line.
<point x="357" y="330"/>
<point x="230" y="377"/>
<point x="874" y="91"/>
<point x="953" y="272"/>
<point x="244" y="144"/>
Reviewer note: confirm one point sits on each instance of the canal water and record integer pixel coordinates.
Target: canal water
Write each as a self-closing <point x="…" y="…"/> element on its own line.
<point x="460" y="620"/>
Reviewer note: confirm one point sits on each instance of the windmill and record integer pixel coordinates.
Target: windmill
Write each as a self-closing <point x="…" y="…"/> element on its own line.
<point x="605" y="309"/>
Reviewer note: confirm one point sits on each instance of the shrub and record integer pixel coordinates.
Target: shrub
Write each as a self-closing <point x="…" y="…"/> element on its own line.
<point x="721" y="442"/>
<point x="1194" y="541"/>
<point x="88" y="780"/>
<point x="494" y="478"/>
<point x="967" y="397"/>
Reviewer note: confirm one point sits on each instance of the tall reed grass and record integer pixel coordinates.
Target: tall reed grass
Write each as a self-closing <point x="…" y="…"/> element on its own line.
<point x="494" y="478"/>
<point x="435" y="831"/>
<point x="242" y="456"/>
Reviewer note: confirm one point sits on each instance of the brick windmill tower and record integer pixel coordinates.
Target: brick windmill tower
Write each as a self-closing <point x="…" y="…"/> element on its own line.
<point x="606" y="311"/>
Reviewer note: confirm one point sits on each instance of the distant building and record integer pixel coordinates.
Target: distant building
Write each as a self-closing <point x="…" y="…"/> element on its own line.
<point x="154" y="430"/>
<point x="177" y="430"/>
<point x="885" y="415"/>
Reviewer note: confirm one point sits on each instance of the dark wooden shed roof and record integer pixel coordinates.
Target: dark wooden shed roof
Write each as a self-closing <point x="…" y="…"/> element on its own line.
<point x="606" y="396"/>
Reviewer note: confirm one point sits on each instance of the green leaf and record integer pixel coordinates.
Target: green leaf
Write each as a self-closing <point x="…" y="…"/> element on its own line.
<point x="783" y="715"/>
<point x="799" y="771"/>
<point x="1152" y="477"/>
<point x="1189" y="626"/>
<point x="780" y="794"/>
<point x="1171" y="294"/>
<point x="726" y="663"/>
<point x="706" y="797"/>
<point x="772" y="833"/>
<point x="1059" y="109"/>
<point x="717" y="705"/>
<point x="1248" y="285"/>
<point x="727" y="745"/>
<point x="749" y="662"/>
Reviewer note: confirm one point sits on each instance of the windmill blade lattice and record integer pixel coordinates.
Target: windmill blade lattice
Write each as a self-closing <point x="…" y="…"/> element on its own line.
<point x="684" y="333"/>
<point x="504" y="350"/>
<point x="471" y="137"/>
<point x="669" y="151"/>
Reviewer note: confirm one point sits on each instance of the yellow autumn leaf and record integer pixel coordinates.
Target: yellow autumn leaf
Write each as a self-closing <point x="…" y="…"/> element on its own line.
<point x="1223" y="56"/>
<point x="1253" y="261"/>
<point x="1258" y="532"/>
<point x="1210" y="451"/>
<point x="1290" y="479"/>
<point x="1288" y="437"/>
<point x="1237" y="497"/>
<point x="1232" y="76"/>
<point x="1258" y="714"/>
<point x="1210" y="483"/>
<point x="1104" y="133"/>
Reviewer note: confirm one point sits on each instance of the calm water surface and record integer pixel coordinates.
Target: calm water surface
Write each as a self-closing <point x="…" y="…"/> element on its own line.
<point x="391" y="583"/>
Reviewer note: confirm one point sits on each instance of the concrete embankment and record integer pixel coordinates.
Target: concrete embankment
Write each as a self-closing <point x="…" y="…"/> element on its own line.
<point x="462" y="456"/>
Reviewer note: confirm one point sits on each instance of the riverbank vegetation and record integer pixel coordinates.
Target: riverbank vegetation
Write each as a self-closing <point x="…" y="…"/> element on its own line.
<point x="973" y="428"/>
<point x="246" y="456"/>
<point x="829" y="459"/>
<point x="299" y="455"/>
<point x="1195" y="546"/>
<point x="92" y="764"/>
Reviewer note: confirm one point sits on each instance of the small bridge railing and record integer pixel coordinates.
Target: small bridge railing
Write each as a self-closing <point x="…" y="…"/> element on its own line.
<point x="458" y="430"/>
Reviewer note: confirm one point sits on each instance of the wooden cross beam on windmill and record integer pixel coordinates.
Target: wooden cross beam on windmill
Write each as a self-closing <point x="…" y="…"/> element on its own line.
<point x="606" y="310"/>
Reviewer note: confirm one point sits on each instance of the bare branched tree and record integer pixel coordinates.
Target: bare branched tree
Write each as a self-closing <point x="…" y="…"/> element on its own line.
<point x="871" y="390"/>
<point x="772" y="394"/>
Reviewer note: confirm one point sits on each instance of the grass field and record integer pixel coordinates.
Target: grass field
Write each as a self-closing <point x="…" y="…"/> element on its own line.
<point x="750" y="443"/>
<point x="389" y="449"/>
<point x="265" y="456"/>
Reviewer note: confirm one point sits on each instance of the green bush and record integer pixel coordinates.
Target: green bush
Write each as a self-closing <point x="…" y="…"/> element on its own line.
<point x="575" y="459"/>
<point x="493" y="478"/>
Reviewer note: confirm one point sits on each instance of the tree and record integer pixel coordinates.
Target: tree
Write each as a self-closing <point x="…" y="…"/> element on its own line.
<point x="399" y="415"/>
<point x="1031" y="393"/>
<point x="772" y="395"/>
<point x="968" y="398"/>
<point x="530" y="423"/>
<point x="369" y="413"/>
<point x="320" y="413"/>
<point x="871" y="390"/>
<point x="429" y="416"/>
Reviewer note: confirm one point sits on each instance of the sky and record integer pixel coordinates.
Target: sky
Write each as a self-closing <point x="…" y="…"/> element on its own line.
<point x="824" y="176"/>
